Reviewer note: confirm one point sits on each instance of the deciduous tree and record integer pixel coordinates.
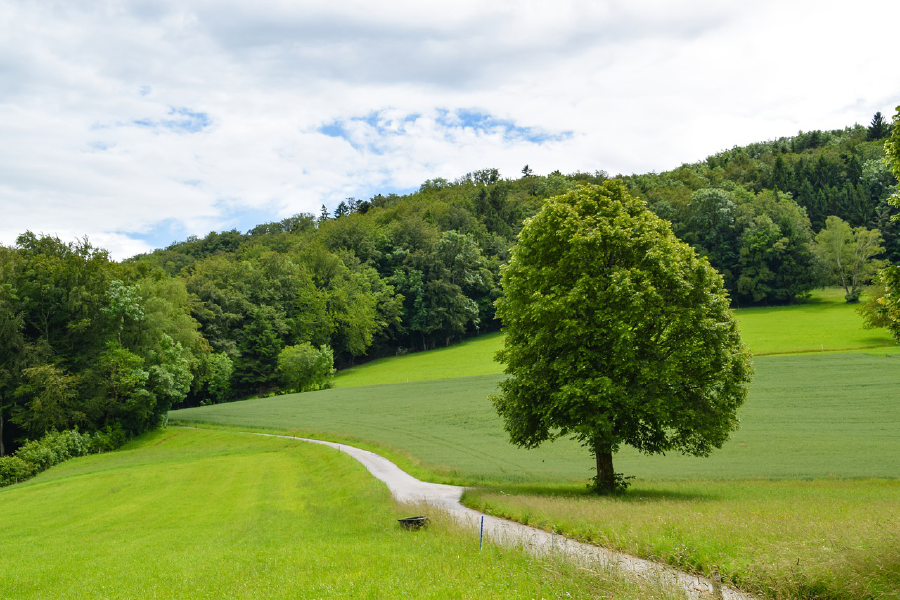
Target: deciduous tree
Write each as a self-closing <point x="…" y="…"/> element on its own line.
<point x="616" y="333"/>
<point x="847" y="255"/>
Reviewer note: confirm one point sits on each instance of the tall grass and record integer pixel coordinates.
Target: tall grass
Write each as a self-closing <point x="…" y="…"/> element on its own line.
<point x="200" y="514"/>
<point x="821" y="539"/>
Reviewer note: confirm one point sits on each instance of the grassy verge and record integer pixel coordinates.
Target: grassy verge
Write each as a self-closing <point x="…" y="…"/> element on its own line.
<point x="810" y="539"/>
<point x="182" y="513"/>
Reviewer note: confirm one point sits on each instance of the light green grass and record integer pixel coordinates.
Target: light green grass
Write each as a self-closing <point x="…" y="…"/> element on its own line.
<point x="202" y="514"/>
<point x="466" y="359"/>
<point x="825" y="323"/>
<point x="807" y="416"/>
<point x="787" y="539"/>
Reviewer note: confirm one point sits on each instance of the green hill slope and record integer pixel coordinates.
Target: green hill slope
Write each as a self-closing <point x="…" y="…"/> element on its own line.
<point x="810" y="415"/>
<point x="200" y="514"/>
<point x="823" y="324"/>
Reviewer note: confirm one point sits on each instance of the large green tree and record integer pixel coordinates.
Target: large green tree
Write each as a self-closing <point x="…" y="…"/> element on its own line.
<point x="616" y="333"/>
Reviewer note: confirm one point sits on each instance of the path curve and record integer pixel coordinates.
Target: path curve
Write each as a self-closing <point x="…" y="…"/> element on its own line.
<point x="406" y="488"/>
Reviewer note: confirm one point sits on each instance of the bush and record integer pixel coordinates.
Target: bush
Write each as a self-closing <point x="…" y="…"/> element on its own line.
<point x="39" y="454"/>
<point x="305" y="368"/>
<point x="107" y="440"/>
<point x="13" y="470"/>
<point x="55" y="447"/>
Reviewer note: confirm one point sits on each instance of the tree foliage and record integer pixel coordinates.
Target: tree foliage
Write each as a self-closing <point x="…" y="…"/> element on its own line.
<point x="847" y="255"/>
<point x="304" y="368"/>
<point x="616" y="333"/>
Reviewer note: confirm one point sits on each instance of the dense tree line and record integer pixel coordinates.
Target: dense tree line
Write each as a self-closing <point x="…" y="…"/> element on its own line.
<point x="91" y="343"/>
<point x="754" y="210"/>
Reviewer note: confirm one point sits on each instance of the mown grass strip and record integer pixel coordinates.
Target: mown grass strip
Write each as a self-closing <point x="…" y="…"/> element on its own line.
<point x="211" y="514"/>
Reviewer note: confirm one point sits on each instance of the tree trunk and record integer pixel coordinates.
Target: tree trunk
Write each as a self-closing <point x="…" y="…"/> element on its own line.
<point x="2" y="448"/>
<point x="605" y="481"/>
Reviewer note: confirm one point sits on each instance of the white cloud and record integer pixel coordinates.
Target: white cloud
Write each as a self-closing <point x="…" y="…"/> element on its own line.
<point x="135" y="122"/>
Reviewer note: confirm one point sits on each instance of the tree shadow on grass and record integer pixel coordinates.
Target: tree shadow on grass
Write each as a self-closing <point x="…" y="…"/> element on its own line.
<point x="643" y="493"/>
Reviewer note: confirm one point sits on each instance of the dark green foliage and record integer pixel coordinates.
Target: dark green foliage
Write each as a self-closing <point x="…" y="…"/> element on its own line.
<point x="259" y="344"/>
<point x="878" y="128"/>
<point x="887" y="308"/>
<point x="89" y="343"/>
<point x="616" y="333"/>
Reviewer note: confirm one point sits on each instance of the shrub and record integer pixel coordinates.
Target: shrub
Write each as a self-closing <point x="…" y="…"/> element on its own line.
<point x="39" y="454"/>
<point x="13" y="470"/>
<point x="55" y="447"/>
<point x="107" y="440"/>
<point x="305" y="368"/>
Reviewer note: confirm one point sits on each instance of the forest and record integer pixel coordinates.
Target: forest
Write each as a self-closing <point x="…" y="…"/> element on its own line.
<point x="92" y="344"/>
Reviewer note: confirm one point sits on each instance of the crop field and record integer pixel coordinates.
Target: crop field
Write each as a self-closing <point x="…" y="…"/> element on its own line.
<point x="202" y="514"/>
<point x="820" y="415"/>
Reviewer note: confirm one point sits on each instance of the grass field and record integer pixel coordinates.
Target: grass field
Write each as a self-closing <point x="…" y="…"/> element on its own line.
<point x="203" y="514"/>
<point x="825" y="323"/>
<point x="819" y="415"/>
<point x="466" y="359"/>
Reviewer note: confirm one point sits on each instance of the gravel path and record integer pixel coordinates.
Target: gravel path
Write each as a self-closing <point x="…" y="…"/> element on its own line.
<point x="407" y="488"/>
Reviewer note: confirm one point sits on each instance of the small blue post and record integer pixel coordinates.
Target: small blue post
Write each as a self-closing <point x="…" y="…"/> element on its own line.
<point x="481" y="536"/>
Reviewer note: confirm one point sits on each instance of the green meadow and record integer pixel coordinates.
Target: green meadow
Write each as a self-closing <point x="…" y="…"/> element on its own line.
<point x="468" y="358"/>
<point x="801" y="502"/>
<point x="181" y="513"/>
<point x="824" y="323"/>
<point x="808" y="416"/>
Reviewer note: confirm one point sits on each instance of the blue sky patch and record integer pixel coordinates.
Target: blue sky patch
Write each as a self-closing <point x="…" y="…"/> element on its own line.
<point x="384" y="126"/>
<point x="180" y="120"/>
<point x="184" y="119"/>
<point x="162" y="234"/>
<point x="487" y="123"/>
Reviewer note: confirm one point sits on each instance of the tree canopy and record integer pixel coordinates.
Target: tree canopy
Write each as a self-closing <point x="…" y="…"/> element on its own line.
<point x="616" y="333"/>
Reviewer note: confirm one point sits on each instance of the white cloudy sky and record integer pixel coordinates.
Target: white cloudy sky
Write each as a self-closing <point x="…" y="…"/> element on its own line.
<point x="138" y="123"/>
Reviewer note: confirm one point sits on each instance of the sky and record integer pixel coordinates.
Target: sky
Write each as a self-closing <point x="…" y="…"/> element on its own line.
<point x="139" y="123"/>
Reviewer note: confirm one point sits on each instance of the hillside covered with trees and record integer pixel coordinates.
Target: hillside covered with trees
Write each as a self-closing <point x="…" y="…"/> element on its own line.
<point x="91" y="343"/>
